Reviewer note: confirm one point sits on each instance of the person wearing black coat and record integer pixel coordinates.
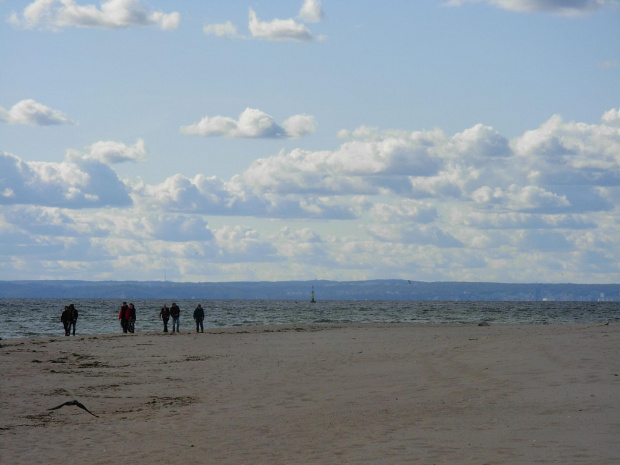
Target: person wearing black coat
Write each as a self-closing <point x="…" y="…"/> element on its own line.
<point x="199" y="316"/>
<point x="164" y="315"/>
<point x="66" y="320"/>
<point x="131" y="327"/>
<point x="175" y="313"/>
<point x="73" y="316"/>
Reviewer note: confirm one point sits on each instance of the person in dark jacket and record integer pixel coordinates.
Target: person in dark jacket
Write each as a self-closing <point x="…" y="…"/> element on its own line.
<point x="132" y="318"/>
<point x="124" y="315"/>
<point x="164" y="315"/>
<point x="73" y="316"/>
<point x="66" y="320"/>
<point x="199" y="316"/>
<point x="175" y="313"/>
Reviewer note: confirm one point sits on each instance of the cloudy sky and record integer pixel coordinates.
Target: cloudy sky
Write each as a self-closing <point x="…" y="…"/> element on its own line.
<point x="448" y="140"/>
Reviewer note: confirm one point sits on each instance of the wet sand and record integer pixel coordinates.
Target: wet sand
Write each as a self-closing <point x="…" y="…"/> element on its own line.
<point x="316" y="394"/>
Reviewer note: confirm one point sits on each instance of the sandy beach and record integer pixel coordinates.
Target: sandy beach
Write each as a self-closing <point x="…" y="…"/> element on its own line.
<point x="316" y="394"/>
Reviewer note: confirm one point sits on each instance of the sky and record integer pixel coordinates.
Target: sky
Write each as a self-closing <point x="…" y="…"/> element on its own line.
<point x="271" y="140"/>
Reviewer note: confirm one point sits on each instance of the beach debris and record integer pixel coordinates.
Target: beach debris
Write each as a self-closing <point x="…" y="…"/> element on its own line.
<point x="77" y="404"/>
<point x="483" y="323"/>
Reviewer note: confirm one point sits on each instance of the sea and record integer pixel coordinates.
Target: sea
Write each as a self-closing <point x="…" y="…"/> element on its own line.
<point x="40" y="317"/>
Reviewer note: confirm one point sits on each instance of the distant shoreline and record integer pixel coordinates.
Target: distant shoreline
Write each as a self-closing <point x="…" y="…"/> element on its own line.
<point x="386" y="289"/>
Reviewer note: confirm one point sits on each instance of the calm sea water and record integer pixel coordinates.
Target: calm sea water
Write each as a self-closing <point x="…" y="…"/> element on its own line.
<point x="41" y="317"/>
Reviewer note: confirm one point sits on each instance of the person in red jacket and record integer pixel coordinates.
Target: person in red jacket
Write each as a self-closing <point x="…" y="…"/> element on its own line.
<point x="124" y="315"/>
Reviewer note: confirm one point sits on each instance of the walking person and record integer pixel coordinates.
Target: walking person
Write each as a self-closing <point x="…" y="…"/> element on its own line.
<point x="175" y="313"/>
<point x="164" y="315"/>
<point x="73" y="316"/>
<point x="66" y="320"/>
<point x="199" y="316"/>
<point x="123" y="315"/>
<point x="132" y="318"/>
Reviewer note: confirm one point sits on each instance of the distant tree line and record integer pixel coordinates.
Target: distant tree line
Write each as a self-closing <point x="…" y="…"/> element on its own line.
<point x="387" y="289"/>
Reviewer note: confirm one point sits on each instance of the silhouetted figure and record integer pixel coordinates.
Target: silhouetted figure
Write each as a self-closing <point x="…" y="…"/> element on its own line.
<point x="132" y="318"/>
<point x="164" y="315"/>
<point x="123" y="315"/>
<point x="73" y="316"/>
<point x="199" y="316"/>
<point x="175" y="313"/>
<point x="66" y="320"/>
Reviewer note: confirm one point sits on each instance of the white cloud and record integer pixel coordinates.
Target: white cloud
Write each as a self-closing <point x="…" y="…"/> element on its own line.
<point x="47" y="221"/>
<point x="274" y="30"/>
<point x="108" y="243"/>
<point x="579" y="153"/>
<point x="534" y="172"/>
<point x="278" y="29"/>
<point x="357" y="167"/>
<point x="255" y="123"/>
<point x="73" y="183"/>
<point x="480" y="141"/>
<point x="242" y="243"/>
<point x="612" y="117"/>
<point x="303" y="246"/>
<point x="368" y="133"/>
<point x="111" y="14"/>
<point x="560" y="7"/>
<point x="535" y="198"/>
<point x="33" y="113"/>
<point x="111" y="152"/>
<point x="469" y="205"/>
<point x="311" y="11"/>
<point x="215" y="197"/>
<point x="298" y="126"/>
<point x="515" y="220"/>
<point x="405" y="211"/>
<point x="521" y="199"/>
<point x="252" y="123"/>
<point x="173" y="227"/>
<point x="225" y="30"/>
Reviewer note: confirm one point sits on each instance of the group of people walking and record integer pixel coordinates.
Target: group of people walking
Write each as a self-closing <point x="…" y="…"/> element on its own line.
<point x="69" y="319"/>
<point x="174" y="312"/>
<point x="127" y="317"/>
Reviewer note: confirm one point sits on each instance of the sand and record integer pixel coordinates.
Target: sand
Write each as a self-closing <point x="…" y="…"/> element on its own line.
<point x="376" y="394"/>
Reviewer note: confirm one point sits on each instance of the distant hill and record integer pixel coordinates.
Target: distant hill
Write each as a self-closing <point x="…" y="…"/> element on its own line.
<point x="386" y="289"/>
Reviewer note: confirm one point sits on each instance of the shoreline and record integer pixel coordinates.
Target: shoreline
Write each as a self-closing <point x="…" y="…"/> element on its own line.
<point x="285" y="327"/>
<point x="42" y="318"/>
<point x="317" y="393"/>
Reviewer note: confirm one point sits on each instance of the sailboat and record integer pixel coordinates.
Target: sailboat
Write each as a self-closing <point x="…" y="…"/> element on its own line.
<point x="312" y="300"/>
